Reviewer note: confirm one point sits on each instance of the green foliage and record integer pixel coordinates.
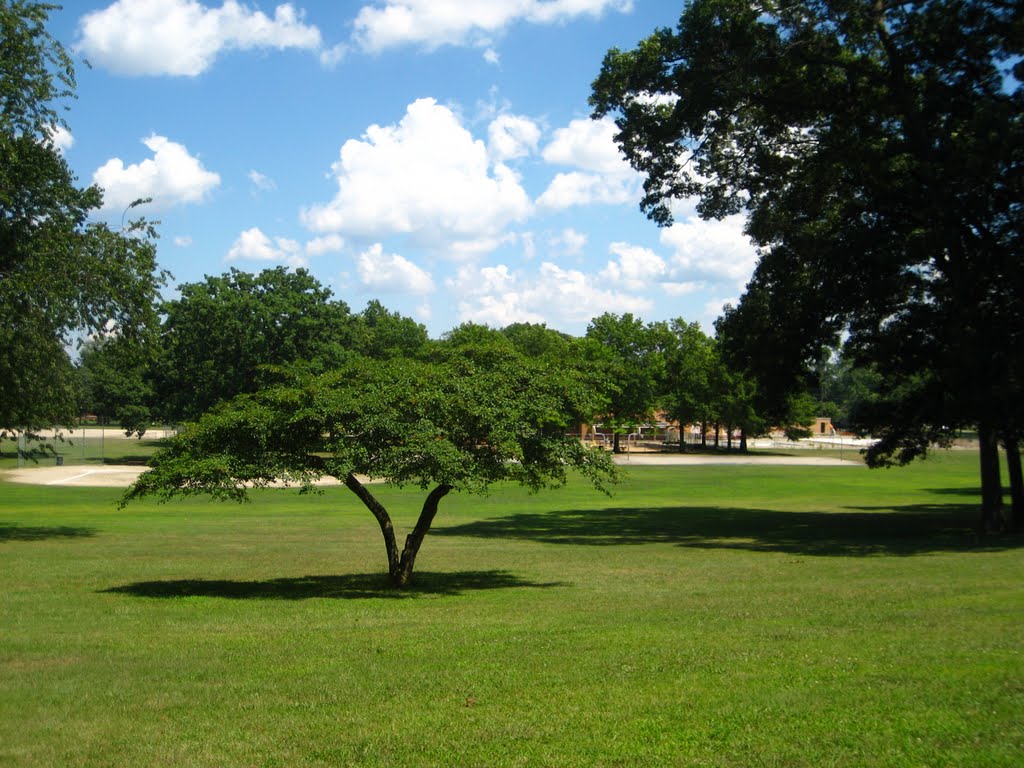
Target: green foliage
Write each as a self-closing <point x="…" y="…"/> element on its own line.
<point x="629" y="356"/>
<point x="221" y="335"/>
<point x="877" y="150"/>
<point x="60" y="275"/>
<point x="115" y="383"/>
<point x="475" y="414"/>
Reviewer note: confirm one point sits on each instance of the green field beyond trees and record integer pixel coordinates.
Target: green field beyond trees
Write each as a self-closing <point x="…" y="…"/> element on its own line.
<point x="709" y="615"/>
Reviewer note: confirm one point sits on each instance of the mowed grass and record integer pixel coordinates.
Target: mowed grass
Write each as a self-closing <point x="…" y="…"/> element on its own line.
<point x="702" y="616"/>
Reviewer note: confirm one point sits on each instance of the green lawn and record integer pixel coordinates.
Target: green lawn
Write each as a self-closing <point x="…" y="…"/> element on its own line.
<point x="703" y="616"/>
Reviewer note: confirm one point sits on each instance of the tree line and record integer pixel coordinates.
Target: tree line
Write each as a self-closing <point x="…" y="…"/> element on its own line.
<point x="235" y="333"/>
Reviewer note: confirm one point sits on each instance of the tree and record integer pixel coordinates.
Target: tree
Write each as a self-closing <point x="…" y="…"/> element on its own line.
<point x="630" y="357"/>
<point x="61" y="276"/>
<point x="876" y="149"/>
<point x="115" y="382"/>
<point x="690" y="372"/>
<point x="381" y="334"/>
<point x="471" y="416"/>
<point x="222" y="335"/>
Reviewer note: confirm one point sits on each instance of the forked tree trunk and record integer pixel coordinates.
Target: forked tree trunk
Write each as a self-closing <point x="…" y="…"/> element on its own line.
<point x="400" y="565"/>
<point x="1013" y="469"/>
<point x="991" y="482"/>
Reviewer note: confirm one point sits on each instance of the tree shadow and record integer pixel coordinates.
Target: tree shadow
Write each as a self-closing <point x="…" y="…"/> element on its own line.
<point x="908" y="530"/>
<point x="15" y="532"/>
<point x="347" y="587"/>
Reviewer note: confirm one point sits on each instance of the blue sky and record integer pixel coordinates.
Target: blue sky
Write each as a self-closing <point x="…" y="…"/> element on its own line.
<point x="436" y="155"/>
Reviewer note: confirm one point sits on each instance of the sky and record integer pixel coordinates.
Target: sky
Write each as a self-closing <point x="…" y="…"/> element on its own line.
<point x="436" y="155"/>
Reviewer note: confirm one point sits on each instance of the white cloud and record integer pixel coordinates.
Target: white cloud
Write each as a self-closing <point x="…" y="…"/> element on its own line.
<point x="426" y="177"/>
<point x="252" y="244"/>
<point x="433" y="23"/>
<point x="575" y="188"/>
<point x="61" y="138"/>
<point x="588" y="145"/>
<point x="184" y="37"/>
<point x="499" y="296"/>
<point x="318" y="246"/>
<point x="333" y="56"/>
<point x="171" y="177"/>
<point x="713" y="249"/>
<point x="261" y="182"/>
<point x="684" y="288"/>
<point x="491" y="56"/>
<point x="391" y="273"/>
<point x="512" y="136"/>
<point x="569" y="242"/>
<point x="637" y="268"/>
<point x="602" y="175"/>
<point x="183" y="241"/>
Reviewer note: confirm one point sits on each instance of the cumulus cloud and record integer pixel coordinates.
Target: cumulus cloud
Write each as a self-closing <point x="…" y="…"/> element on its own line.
<point x="61" y="138"/>
<point x="601" y="174"/>
<point x="433" y="23"/>
<point x="318" y="246"/>
<point x="254" y="245"/>
<point x="713" y="249"/>
<point x="426" y="177"/>
<point x="183" y="241"/>
<point x="184" y="37"/>
<point x="391" y="273"/>
<point x="569" y="242"/>
<point x="498" y="296"/>
<point x="171" y="177"/>
<point x="512" y="136"/>
<point x="636" y="269"/>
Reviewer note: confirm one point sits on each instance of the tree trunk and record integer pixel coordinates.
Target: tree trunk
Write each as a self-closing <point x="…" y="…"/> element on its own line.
<point x="616" y="448"/>
<point x="399" y="565"/>
<point x="415" y="539"/>
<point x="991" y="482"/>
<point x="703" y="434"/>
<point x="728" y="438"/>
<point x="383" y="519"/>
<point x="1016" y="483"/>
<point x="743" y="440"/>
<point x="718" y="428"/>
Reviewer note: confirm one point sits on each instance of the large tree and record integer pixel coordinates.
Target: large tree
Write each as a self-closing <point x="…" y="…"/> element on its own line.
<point x="61" y="275"/>
<point x="471" y="415"/>
<point x="876" y="149"/>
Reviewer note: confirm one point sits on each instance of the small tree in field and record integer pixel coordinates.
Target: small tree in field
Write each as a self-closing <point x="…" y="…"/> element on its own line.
<point x="461" y="421"/>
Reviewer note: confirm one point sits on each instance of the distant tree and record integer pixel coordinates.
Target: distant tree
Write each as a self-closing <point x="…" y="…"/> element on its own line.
<point x="877" y="150"/>
<point x="690" y="377"/>
<point x="630" y="356"/>
<point x="381" y="334"/>
<point x="222" y="335"/>
<point x="115" y="381"/>
<point x="537" y="340"/>
<point x="61" y="276"/>
<point x="476" y="415"/>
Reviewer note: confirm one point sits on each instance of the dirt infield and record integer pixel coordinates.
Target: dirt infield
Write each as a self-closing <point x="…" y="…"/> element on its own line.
<point x="115" y="476"/>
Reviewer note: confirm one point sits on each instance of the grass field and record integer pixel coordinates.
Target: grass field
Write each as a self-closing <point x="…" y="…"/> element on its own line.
<point x="703" y="616"/>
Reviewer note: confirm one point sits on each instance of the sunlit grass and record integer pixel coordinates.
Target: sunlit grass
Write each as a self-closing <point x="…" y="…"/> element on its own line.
<point x="711" y="616"/>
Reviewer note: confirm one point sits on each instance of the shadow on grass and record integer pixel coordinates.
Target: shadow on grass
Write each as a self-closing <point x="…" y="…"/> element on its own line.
<point x="15" y="532"/>
<point x="336" y="587"/>
<point x="908" y="530"/>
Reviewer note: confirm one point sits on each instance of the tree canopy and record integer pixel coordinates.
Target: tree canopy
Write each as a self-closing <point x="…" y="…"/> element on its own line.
<point x="876" y="149"/>
<point x="469" y="415"/>
<point x="61" y="275"/>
